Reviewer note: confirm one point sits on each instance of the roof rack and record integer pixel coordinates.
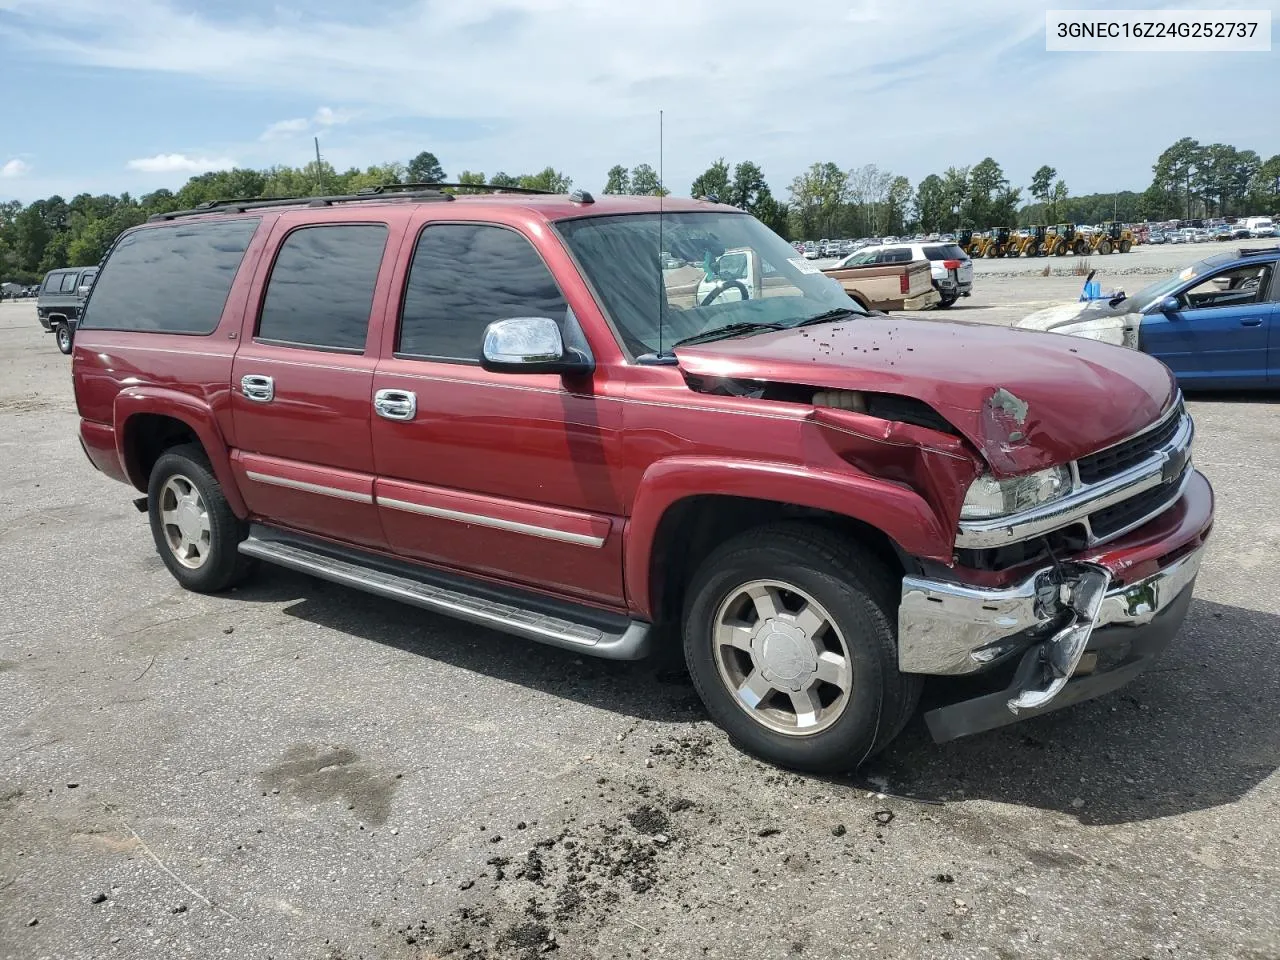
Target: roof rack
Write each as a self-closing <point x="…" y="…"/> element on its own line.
<point x="473" y="187"/>
<point x="400" y="191"/>
<point x="1258" y="251"/>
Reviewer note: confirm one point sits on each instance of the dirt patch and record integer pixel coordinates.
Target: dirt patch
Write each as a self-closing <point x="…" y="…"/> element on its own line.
<point x="337" y="773"/>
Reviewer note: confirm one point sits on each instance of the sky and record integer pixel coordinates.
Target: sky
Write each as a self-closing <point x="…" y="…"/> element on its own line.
<point x="113" y="95"/>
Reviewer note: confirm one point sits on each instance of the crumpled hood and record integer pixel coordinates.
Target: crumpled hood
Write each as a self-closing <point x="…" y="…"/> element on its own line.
<point x="1025" y="400"/>
<point x="1093" y="320"/>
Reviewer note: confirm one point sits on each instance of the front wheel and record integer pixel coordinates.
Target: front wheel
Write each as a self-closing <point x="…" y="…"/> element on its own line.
<point x="62" y="337"/>
<point x="196" y="533"/>
<point x="789" y="639"/>
<point x="1125" y="246"/>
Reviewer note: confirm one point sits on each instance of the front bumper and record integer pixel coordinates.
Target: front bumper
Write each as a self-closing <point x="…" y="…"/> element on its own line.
<point x="1055" y="618"/>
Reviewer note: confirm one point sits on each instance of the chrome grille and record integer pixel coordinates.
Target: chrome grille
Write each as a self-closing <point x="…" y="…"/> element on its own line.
<point x="1116" y="459"/>
<point x="1124" y="516"/>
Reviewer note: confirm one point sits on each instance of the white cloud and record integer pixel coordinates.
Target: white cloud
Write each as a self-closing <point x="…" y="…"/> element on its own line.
<point x="179" y="163"/>
<point x="285" y="128"/>
<point x="517" y="84"/>
<point x="328" y="117"/>
<point x="15" y="168"/>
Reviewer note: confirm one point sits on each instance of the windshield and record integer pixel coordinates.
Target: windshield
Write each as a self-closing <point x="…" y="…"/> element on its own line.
<point x="732" y="271"/>
<point x="1163" y="288"/>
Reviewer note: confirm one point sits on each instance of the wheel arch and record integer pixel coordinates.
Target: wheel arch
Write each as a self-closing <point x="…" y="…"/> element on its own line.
<point x="675" y="523"/>
<point x="152" y="421"/>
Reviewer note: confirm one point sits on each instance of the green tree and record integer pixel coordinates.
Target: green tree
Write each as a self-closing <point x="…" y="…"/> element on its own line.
<point x="955" y="191"/>
<point x="1057" y="198"/>
<point x="1264" y="188"/>
<point x="713" y="182"/>
<point x="425" y="168"/>
<point x="749" y="189"/>
<point x="1178" y="169"/>
<point x="471" y="179"/>
<point x="618" y="180"/>
<point x="898" y="206"/>
<point x="1042" y="183"/>
<point x="817" y="198"/>
<point x="549" y="179"/>
<point x="987" y="184"/>
<point x="645" y="183"/>
<point x="931" y="202"/>
<point x="501" y="179"/>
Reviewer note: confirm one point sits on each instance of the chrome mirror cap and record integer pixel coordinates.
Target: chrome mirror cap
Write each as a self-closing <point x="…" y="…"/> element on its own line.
<point x="530" y="345"/>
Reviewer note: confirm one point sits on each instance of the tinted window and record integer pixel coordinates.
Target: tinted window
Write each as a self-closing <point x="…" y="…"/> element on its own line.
<point x="896" y="255"/>
<point x="949" y="251"/>
<point x="52" y="282"/>
<point x="321" y="287"/>
<point x="465" y="276"/>
<point x="69" y="283"/>
<point x="171" y="279"/>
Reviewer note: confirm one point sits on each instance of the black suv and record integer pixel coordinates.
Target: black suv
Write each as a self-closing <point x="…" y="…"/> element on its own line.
<point x="61" y="300"/>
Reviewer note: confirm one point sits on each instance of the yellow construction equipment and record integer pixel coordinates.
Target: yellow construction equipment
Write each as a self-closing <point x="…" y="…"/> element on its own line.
<point x="1112" y="237"/>
<point x="1000" y="244"/>
<point x="1030" y="242"/>
<point x="974" y="244"/>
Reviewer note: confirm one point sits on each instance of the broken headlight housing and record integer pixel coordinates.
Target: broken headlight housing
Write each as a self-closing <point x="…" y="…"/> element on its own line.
<point x="990" y="497"/>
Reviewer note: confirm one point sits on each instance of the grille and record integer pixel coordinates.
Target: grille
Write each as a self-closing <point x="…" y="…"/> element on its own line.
<point x="1117" y="459"/>
<point x="1105" y="523"/>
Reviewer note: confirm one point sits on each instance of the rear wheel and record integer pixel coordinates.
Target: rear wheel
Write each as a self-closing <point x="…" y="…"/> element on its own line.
<point x="1125" y="246"/>
<point x="62" y="337"/>
<point x="789" y="639"/>
<point x="196" y="533"/>
<point x="1060" y="248"/>
<point x="947" y="301"/>
<point x="1104" y="247"/>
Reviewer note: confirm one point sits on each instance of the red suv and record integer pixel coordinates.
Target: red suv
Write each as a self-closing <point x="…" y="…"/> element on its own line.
<point x="580" y="420"/>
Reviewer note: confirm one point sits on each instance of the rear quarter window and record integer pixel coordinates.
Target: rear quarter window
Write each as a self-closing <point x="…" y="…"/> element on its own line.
<point x="169" y="279"/>
<point x="946" y="251"/>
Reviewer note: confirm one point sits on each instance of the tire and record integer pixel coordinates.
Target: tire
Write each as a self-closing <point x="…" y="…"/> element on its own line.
<point x="1081" y="248"/>
<point x="1104" y="247"/>
<point x="1125" y="246"/>
<point x="946" y="302"/>
<point x="800" y="567"/>
<point x="1060" y="249"/>
<point x="63" y="338"/>
<point x="210" y="562"/>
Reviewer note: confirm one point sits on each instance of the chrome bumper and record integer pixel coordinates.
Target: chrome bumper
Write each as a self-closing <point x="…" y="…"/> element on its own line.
<point x="949" y="629"/>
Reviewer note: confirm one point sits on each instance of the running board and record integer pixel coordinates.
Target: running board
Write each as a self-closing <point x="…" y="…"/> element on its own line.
<point x="631" y="643"/>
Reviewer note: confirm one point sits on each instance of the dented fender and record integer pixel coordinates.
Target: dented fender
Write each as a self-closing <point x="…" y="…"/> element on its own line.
<point x="895" y="509"/>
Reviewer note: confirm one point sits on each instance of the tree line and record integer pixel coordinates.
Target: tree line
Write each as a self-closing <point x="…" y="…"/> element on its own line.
<point x="1188" y="180"/>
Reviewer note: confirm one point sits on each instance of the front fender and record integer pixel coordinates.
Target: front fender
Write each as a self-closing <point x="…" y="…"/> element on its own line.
<point x="894" y="509"/>
<point x="192" y="411"/>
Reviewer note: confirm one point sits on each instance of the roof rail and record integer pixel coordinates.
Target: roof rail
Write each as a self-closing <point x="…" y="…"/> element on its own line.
<point x="400" y="191"/>
<point x="475" y="187"/>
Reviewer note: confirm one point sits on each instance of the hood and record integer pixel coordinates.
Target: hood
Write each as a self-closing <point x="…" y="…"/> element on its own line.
<point x="1025" y="400"/>
<point x="1094" y="320"/>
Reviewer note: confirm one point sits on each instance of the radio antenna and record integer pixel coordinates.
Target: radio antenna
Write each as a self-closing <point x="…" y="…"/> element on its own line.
<point x="662" y="280"/>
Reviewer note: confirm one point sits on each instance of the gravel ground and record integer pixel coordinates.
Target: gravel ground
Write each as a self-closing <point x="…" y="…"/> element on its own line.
<point x="298" y="770"/>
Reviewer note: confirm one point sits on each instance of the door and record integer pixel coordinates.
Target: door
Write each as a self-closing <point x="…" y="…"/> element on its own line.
<point x="498" y="474"/>
<point x="1219" y="335"/>
<point x="302" y="379"/>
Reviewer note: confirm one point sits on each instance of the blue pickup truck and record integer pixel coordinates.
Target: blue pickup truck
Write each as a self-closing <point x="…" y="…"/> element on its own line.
<point x="1215" y="323"/>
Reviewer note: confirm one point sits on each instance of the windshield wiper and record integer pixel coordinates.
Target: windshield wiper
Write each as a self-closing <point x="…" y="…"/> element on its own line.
<point x="837" y="314"/>
<point x="730" y="330"/>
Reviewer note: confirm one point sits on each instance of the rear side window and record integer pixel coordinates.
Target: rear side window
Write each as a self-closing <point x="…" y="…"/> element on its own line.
<point x="465" y="276"/>
<point x="170" y="279"/>
<point x="68" y="283"/>
<point x="946" y="251"/>
<point x="896" y="255"/>
<point x="321" y="287"/>
<point x="53" y="282"/>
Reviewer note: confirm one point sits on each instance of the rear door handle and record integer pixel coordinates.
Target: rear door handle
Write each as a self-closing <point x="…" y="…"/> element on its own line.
<point x="258" y="388"/>
<point x="396" y="404"/>
<point x="1251" y="322"/>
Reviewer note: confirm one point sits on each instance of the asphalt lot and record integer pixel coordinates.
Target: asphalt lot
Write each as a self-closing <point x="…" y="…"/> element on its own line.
<point x="298" y="770"/>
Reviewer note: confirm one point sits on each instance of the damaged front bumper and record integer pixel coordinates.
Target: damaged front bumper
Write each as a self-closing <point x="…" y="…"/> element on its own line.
<point x="1079" y="634"/>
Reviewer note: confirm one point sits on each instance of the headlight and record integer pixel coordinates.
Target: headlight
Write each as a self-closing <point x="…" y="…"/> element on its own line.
<point x="989" y="497"/>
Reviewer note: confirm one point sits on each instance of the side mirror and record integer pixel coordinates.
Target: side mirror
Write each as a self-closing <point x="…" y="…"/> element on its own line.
<point x="530" y="345"/>
<point x="83" y="290"/>
<point x="1170" y="305"/>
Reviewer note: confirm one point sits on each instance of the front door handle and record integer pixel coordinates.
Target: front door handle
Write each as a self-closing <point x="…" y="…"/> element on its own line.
<point x="396" y="404"/>
<point x="1251" y="322"/>
<point x="258" y="388"/>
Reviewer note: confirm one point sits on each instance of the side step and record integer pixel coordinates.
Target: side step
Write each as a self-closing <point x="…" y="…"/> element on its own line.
<point x="586" y="630"/>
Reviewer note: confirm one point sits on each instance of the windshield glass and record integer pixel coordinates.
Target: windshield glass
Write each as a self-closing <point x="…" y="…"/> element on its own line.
<point x="732" y="270"/>
<point x="1163" y="288"/>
